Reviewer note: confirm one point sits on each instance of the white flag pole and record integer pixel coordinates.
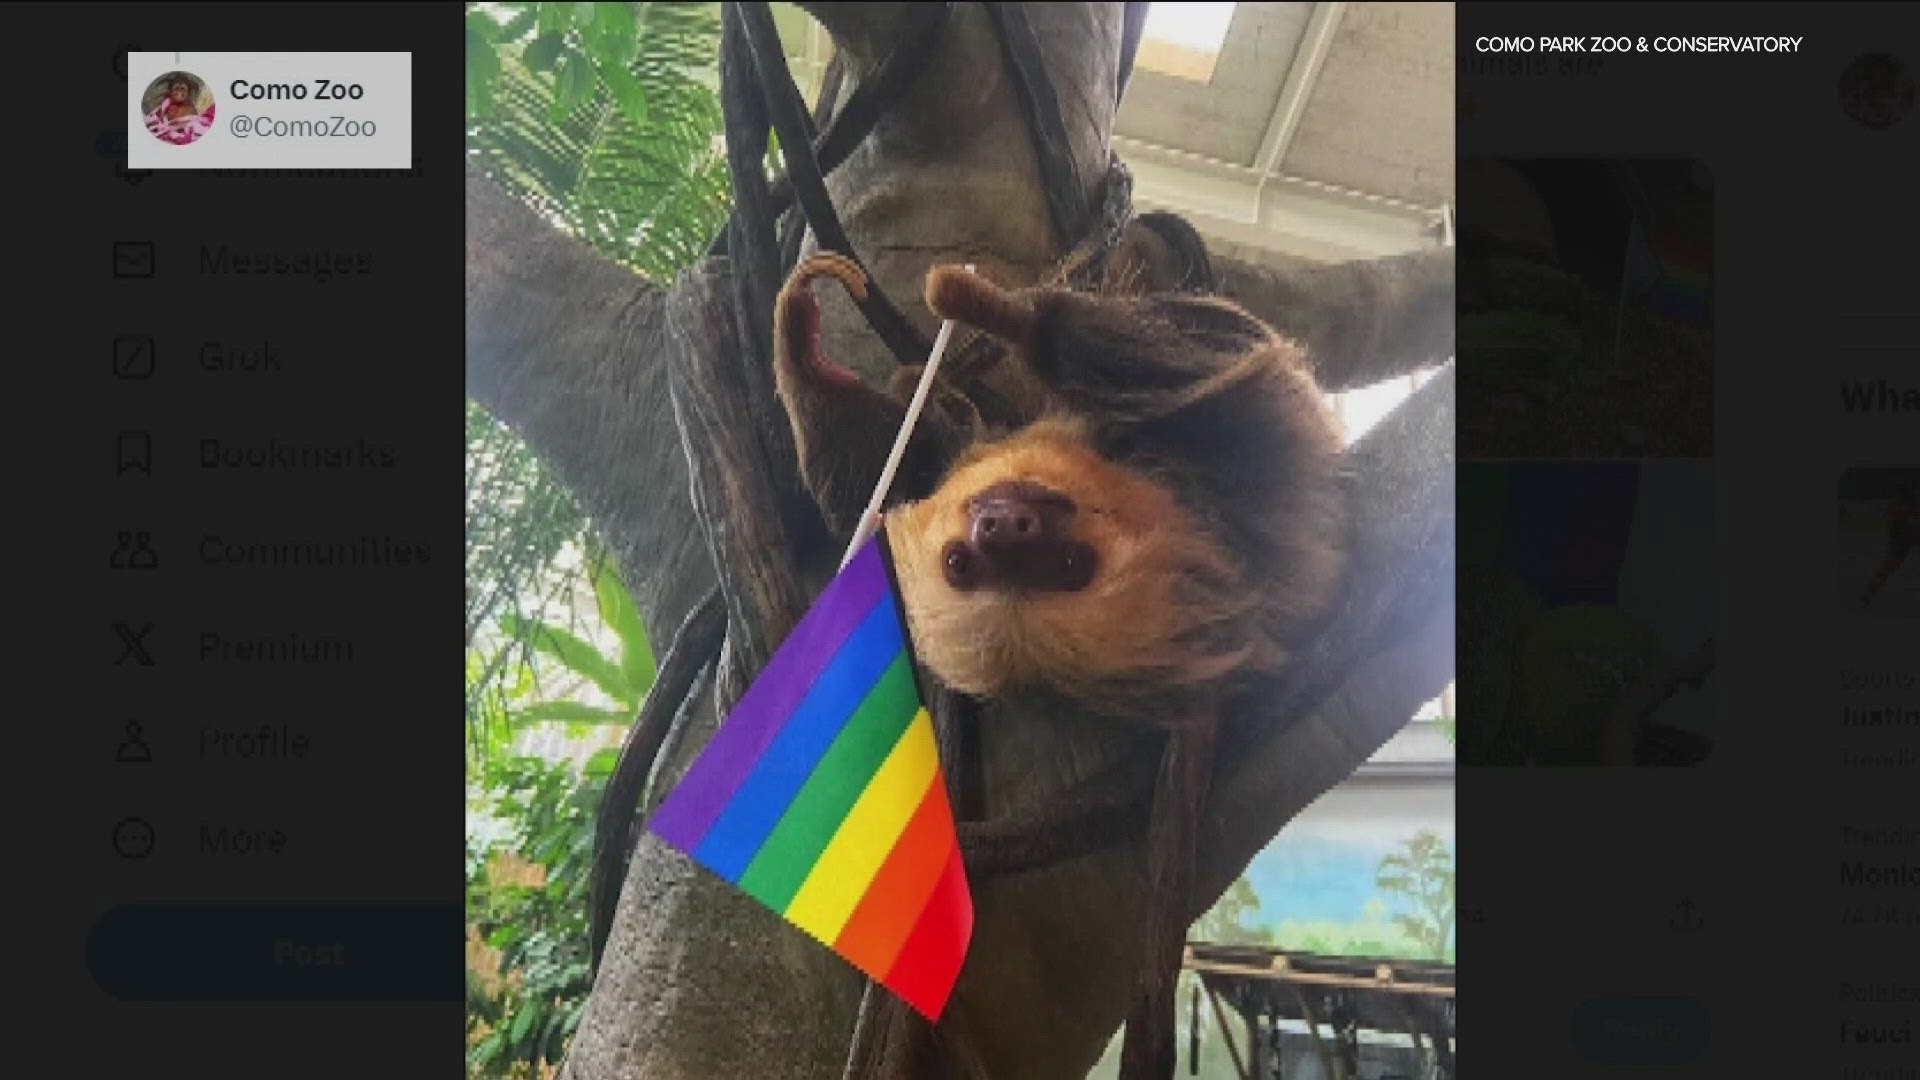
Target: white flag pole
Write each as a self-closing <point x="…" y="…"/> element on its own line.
<point x="870" y="517"/>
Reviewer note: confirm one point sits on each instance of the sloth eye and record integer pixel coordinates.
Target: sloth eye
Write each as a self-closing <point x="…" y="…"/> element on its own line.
<point x="960" y="566"/>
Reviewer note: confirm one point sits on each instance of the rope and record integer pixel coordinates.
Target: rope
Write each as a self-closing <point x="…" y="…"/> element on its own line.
<point x="752" y="247"/>
<point x="1026" y="69"/>
<point x="694" y="644"/>
<point x="788" y="113"/>
<point x="848" y="127"/>
<point x="792" y="225"/>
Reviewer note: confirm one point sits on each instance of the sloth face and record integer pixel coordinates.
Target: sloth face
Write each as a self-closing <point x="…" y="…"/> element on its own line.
<point x="1169" y="519"/>
<point x="1039" y="561"/>
<point x="1152" y="508"/>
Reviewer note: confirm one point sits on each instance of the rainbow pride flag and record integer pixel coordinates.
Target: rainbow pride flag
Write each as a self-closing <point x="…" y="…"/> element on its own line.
<point x="822" y="796"/>
<point x="1672" y="274"/>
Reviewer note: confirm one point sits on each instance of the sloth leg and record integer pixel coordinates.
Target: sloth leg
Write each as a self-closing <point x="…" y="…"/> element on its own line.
<point x="841" y="427"/>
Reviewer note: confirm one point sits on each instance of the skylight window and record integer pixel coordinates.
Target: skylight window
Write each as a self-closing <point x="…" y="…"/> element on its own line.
<point x="1183" y="40"/>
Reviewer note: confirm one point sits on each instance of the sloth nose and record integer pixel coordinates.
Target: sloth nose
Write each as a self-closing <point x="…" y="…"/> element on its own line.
<point x="1017" y="538"/>
<point x="1018" y="512"/>
<point x="1006" y="521"/>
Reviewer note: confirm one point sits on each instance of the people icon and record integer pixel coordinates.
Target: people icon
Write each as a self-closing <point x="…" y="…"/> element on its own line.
<point x="134" y="551"/>
<point x="133" y="747"/>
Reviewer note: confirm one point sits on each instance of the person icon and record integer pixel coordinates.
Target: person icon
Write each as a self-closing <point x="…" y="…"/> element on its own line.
<point x="133" y="748"/>
<point x="143" y="556"/>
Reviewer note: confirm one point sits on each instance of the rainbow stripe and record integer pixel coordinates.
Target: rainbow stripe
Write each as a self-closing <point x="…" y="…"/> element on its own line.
<point x="1672" y="275"/>
<point x="822" y="796"/>
<point x="1686" y="270"/>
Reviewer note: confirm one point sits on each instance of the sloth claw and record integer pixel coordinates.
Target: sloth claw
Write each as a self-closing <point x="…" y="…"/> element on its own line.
<point x="797" y="313"/>
<point x="954" y="292"/>
<point x="830" y="264"/>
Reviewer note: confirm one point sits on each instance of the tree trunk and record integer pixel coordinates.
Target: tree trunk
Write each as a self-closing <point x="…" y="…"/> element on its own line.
<point x="578" y="356"/>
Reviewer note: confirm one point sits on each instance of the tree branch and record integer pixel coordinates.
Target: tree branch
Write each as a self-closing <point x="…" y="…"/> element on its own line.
<point x="1387" y="647"/>
<point x="1360" y="322"/>
<point x="734" y="495"/>
<point x="701" y="981"/>
<point x="567" y="348"/>
<point x="949" y="173"/>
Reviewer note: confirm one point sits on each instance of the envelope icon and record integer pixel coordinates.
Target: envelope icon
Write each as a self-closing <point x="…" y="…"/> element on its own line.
<point x="133" y="258"/>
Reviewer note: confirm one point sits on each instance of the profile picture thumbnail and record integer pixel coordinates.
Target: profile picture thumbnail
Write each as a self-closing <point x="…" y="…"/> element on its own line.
<point x="178" y="107"/>
<point x="1876" y="90"/>
<point x="1879" y="573"/>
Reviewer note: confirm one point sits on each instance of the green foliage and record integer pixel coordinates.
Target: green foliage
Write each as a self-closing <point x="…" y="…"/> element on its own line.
<point x="1359" y="938"/>
<point x="519" y="519"/>
<point x="625" y="678"/>
<point x="493" y="684"/>
<point x="617" y="610"/>
<point x="538" y="926"/>
<point x="1502" y="610"/>
<point x="1233" y="920"/>
<point x="482" y="64"/>
<point x="589" y="40"/>
<point x="523" y="1015"/>
<point x="1374" y="933"/>
<point x="1578" y="662"/>
<point x="1229" y="921"/>
<point x="603" y="117"/>
<point x="1422" y="873"/>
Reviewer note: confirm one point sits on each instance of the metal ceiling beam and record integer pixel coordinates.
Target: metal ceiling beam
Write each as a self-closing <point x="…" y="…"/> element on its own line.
<point x="1316" y="41"/>
<point x="1299" y="216"/>
<point x="1256" y="203"/>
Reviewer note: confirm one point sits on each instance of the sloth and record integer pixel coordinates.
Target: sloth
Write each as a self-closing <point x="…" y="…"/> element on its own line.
<point x="1152" y="519"/>
<point x="1129" y="501"/>
<point x="1160" y="513"/>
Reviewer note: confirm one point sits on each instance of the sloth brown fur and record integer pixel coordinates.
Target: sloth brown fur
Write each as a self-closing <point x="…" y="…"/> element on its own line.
<point x="1175" y="456"/>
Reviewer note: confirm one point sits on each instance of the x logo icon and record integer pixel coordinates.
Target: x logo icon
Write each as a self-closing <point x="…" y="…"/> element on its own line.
<point x="132" y="644"/>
